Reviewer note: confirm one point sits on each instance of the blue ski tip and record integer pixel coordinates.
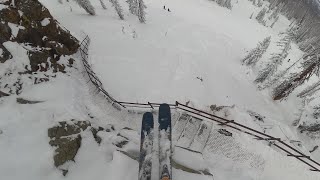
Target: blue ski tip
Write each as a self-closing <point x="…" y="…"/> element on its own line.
<point x="147" y="122"/>
<point x="164" y="110"/>
<point x="164" y="116"/>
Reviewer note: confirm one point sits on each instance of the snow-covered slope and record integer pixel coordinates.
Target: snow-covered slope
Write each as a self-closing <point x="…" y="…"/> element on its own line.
<point x="156" y="61"/>
<point x="161" y="60"/>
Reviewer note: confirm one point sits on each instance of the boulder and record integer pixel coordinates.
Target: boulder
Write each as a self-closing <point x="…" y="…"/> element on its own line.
<point x="67" y="140"/>
<point x="2" y="94"/>
<point x="66" y="137"/>
<point x="4" y="53"/>
<point x="5" y="31"/>
<point x="66" y="129"/>
<point x="67" y="148"/>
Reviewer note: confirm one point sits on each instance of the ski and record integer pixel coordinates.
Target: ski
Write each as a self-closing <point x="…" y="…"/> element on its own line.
<point x="146" y="144"/>
<point x="165" y="170"/>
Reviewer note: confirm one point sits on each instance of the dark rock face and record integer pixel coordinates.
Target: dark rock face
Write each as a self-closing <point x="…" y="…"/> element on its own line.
<point x="66" y="129"/>
<point x="4" y="53"/>
<point x="66" y="137"/>
<point x="5" y="31"/>
<point x="47" y="42"/>
<point x="34" y="32"/>
<point x="67" y="149"/>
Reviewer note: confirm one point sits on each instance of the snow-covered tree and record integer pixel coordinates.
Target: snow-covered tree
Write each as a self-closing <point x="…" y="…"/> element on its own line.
<point x="259" y="3"/>
<point x="316" y="112"/>
<point x="224" y="3"/>
<point x="310" y="90"/>
<point x="102" y="4"/>
<point x="303" y="17"/>
<point x="220" y="2"/>
<point x="86" y="5"/>
<point x="274" y="14"/>
<point x="133" y="6"/>
<point x="141" y="11"/>
<point x="253" y="2"/>
<point x="260" y="16"/>
<point x="298" y="115"/>
<point x="276" y="61"/>
<point x="228" y="4"/>
<point x="254" y="55"/>
<point x="309" y="67"/>
<point x="118" y="8"/>
<point x="275" y="21"/>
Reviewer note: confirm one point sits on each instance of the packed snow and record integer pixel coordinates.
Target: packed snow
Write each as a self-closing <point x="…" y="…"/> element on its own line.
<point x="163" y="60"/>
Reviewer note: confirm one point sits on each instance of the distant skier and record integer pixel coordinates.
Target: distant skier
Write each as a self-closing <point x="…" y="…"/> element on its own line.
<point x="200" y="78"/>
<point x="164" y="7"/>
<point x="169" y="10"/>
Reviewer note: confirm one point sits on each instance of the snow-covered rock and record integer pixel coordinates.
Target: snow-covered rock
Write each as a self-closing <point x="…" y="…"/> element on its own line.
<point x="21" y="40"/>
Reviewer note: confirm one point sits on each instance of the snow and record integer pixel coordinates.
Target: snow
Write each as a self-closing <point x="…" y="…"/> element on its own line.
<point x="45" y="21"/>
<point x="20" y="60"/>
<point x="164" y="151"/>
<point x="2" y="6"/>
<point x="164" y="57"/>
<point x="15" y="28"/>
<point x="156" y="61"/>
<point x="20" y="13"/>
<point x="194" y="160"/>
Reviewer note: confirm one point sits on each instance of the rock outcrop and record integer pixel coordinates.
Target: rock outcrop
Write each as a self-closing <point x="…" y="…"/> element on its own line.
<point x="66" y="138"/>
<point x="48" y="46"/>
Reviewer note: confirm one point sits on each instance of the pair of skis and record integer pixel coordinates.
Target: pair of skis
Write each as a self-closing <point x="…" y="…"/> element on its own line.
<point x="146" y="145"/>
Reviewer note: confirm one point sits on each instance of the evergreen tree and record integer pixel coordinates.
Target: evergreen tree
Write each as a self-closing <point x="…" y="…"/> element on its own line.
<point x="310" y="90"/>
<point x="260" y="16"/>
<point x="228" y="4"/>
<point x="86" y="5"/>
<point x="133" y="6"/>
<point x="305" y="33"/>
<point x="276" y="61"/>
<point x="118" y="8"/>
<point x="309" y="68"/>
<point x="316" y="112"/>
<point x="220" y="2"/>
<point x="260" y="3"/>
<point x="224" y="3"/>
<point x="141" y="11"/>
<point x="102" y="4"/>
<point x="299" y="114"/>
<point x="254" y="55"/>
<point x="275" y="21"/>
<point x="274" y="14"/>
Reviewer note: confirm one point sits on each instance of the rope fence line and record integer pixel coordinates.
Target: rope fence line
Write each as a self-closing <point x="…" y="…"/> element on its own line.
<point x="84" y="48"/>
<point x="257" y="135"/>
